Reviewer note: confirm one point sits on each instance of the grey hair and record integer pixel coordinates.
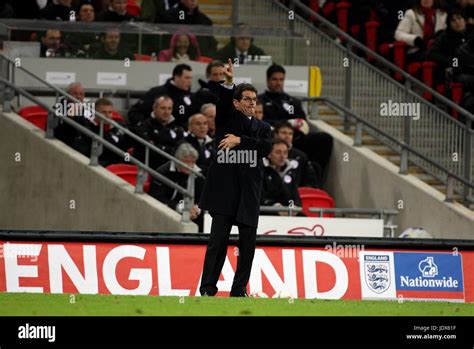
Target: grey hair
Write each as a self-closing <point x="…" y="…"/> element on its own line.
<point x="157" y="100"/>
<point x="185" y="150"/>
<point x="73" y="84"/>
<point x="206" y="106"/>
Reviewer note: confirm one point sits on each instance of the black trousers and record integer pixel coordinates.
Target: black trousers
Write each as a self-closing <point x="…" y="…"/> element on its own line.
<point x="216" y="253"/>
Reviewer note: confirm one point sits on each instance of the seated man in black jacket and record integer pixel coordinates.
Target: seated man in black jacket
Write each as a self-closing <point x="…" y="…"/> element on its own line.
<point x="198" y="138"/>
<point x="117" y="12"/>
<point x="58" y="10"/>
<point x="280" y="187"/>
<point x="305" y="174"/>
<point x="279" y="106"/>
<point x="117" y="137"/>
<point x="209" y="91"/>
<point x="161" y="129"/>
<point x="178" y="88"/>
<point x="170" y="196"/>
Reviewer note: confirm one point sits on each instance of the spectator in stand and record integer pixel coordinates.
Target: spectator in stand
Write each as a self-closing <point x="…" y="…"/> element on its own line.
<point x="178" y="88"/>
<point x="184" y="47"/>
<point x="279" y="179"/>
<point x="388" y="15"/>
<point x="447" y="42"/>
<point x="117" y="12"/>
<point x="83" y="40"/>
<point x="200" y="140"/>
<point x="419" y="25"/>
<point x="57" y="10"/>
<point x="259" y="111"/>
<point x="117" y="137"/>
<point x="305" y="174"/>
<point x="154" y="10"/>
<point x="240" y="48"/>
<point x="209" y="111"/>
<point x="279" y="106"/>
<point x="209" y="91"/>
<point x="50" y="43"/>
<point x="161" y="129"/>
<point x="187" y="12"/>
<point x="170" y="196"/>
<point x="464" y="73"/>
<point x="64" y="132"/>
<point x="86" y="13"/>
<point x="111" y="47"/>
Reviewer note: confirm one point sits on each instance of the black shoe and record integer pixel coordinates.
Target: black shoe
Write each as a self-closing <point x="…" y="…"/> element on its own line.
<point x="239" y="294"/>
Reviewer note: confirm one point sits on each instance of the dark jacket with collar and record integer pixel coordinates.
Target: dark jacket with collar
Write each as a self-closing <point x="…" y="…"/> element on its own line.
<point x="209" y="92"/>
<point x="112" y="16"/>
<point x="165" y="137"/>
<point x="228" y="51"/>
<point x="280" y="186"/>
<point x="142" y="109"/>
<point x="55" y="12"/>
<point x="280" y="107"/>
<point x="306" y="176"/>
<point x="234" y="189"/>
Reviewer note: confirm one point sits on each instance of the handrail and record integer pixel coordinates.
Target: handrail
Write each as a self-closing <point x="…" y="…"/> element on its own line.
<point x="97" y="137"/>
<point x="405" y="147"/>
<point x="377" y="57"/>
<point x="107" y="120"/>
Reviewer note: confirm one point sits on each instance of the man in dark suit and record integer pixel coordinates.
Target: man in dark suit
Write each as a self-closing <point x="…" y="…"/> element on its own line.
<point x="233" y="185"/>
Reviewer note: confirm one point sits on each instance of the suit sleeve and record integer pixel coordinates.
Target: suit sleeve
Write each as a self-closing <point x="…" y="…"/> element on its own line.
<point x="262" y="143"/>
<point x="224" y="105"/>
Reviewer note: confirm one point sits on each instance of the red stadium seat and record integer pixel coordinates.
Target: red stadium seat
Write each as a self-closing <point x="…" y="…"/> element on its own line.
<point x="133" y="8"/>
<point x="311" y="197"/>
<point x="35" y="114"/>
<point x="129" y="173"/>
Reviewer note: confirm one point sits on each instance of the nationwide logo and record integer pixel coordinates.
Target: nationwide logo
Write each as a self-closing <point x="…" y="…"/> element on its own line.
<point x="377" y="272"/>
<point x="429" y="275"/>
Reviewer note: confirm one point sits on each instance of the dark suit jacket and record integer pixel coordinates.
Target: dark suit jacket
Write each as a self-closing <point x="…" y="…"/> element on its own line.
<point x="234" y="189"/>
<point x="228" y="51"/>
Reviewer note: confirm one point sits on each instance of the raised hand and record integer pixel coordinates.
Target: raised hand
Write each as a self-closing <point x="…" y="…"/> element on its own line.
<point x="229" y="72"/>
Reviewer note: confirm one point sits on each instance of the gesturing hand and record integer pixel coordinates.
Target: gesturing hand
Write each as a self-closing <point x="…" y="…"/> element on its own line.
<point x="230" y="141"/>
<point x="229" y="72"/>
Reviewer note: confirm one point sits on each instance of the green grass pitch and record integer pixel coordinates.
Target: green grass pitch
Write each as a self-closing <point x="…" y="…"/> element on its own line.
<point x="31" y="304"/>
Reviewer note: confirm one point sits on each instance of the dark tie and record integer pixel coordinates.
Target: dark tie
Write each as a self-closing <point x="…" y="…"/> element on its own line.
<point x="241" y="58"/>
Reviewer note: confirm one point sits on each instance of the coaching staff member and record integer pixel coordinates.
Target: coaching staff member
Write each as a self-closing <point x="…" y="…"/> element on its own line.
<point x="232" y="191"/>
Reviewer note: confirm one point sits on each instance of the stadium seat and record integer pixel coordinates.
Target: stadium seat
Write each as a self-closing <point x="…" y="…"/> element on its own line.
<point x="129" y="173"/>
<point x="35" y="114"/>
<point x="311" y="197"/>
<point x="133" y="8"/>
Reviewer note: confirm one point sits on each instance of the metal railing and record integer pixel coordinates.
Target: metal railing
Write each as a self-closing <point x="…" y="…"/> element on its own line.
<point x="7" y="94"/>
<point x="362" y="87"/>
<point x="405" y="150"/>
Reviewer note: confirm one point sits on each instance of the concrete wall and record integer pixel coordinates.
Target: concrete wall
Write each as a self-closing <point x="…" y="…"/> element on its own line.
<point x="36" y="192"/>
<point x="368" y="180"/>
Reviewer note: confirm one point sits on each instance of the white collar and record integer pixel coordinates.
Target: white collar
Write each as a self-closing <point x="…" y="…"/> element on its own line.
<point x="174" y="169"/>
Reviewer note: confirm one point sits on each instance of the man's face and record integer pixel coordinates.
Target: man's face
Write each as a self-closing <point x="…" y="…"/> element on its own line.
<point x="243" y="43"/>
<point x="210" y="114"/>
<point x="276" y="82"/>
<point x="285" y="134"/>
<point x="119" y="6"/>
<point x="217" y="74"/>
<point x="458" y="24"/>
<point x="190" y="4"/>
<point x="87" y="13"/>
<point x="52" y="39"/>
<point x="77" y="91"/>
<point x="259" y="111"/>
<point x="278" y="155"/>
<point x="188" y="160"/>
<point x="163" y="110"/>
<point x="184" y="81"/>
<point x="105" y="110"/>
<point x="198" y="125"/>
<point x="427" y="3"/>
<point x="112" y="41"/>
<point x="247" y="104"/>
